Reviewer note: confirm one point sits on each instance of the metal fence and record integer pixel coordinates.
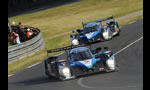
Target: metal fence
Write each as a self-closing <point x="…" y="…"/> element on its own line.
<point x="27" y="48"/>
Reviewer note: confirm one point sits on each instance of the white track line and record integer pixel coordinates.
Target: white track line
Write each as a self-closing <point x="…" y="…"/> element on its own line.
<point x="102" y="88"/>
<point x="33" y="65"/>
<point x="10" y="75"/>
<point x="128" y="45"/>
<point x="85" y="86"/>
<point x="41" y="62"/>
<point x="27" y="68"/>
<point x="132" y="22"/>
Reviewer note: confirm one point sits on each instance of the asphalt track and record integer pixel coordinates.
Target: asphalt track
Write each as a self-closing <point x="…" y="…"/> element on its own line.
<point x="128" y="48"/>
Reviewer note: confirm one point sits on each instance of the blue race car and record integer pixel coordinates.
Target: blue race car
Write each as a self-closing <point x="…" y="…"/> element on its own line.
<point x="79" y="61"/>
<point x="95" y="31"/>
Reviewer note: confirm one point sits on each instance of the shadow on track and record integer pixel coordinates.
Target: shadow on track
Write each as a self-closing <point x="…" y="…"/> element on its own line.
<point x="35" y="81"/>
<point x="44" y="80"/>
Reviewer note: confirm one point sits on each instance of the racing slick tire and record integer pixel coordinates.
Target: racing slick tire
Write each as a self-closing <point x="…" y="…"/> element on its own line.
<point x="118" y="30"/>
<point x="50" y="77"/>
<point x="110" y="36"/>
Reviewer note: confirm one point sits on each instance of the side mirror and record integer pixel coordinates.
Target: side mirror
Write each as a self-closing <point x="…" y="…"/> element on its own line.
<point x="73" y="31"/>
<point x="98" y="49"/>
<point x="106" y="48"/>
<point x="79" y="30"/>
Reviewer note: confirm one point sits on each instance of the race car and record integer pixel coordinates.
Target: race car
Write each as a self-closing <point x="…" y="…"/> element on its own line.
<point x="79" y="61"/>
<point x="95" y="31"/>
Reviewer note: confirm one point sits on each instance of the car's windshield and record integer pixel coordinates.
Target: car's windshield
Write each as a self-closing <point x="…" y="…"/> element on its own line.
<point x="81" y="55"/>
<point x="91" y="29"/>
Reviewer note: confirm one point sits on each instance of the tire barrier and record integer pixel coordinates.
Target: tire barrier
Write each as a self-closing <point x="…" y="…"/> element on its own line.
<point x="27" y="48"/>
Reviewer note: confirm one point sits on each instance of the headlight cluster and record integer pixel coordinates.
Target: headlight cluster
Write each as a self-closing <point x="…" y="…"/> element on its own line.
<point x="111" y="62"/>
<point x="64" y="71"/>
<point x="75" y="42"/>
<point x="106" y="34"/>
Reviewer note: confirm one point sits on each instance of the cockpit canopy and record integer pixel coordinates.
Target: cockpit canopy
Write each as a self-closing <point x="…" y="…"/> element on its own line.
<point x="92" y="27"/>
<point x="79" y="54"/>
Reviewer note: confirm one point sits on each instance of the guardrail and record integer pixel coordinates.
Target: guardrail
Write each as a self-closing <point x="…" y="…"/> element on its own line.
<point x="27" y="48"/>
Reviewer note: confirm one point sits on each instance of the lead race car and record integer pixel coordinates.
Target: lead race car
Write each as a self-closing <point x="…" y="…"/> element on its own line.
<point x="79" y="61"/>
<point x="94" y="31"/>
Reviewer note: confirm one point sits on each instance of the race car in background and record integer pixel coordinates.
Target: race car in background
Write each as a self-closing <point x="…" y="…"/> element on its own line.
<point x="79" y="61"/>
<point x="95" y="31"/>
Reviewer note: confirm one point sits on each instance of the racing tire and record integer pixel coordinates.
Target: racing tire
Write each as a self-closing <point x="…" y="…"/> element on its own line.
<point x="118" y="34"/>
<point x="118" y="31"/>
<point x="111" y="35"/>
<point x="50" y="77"/>
<point x="117" y="68"/>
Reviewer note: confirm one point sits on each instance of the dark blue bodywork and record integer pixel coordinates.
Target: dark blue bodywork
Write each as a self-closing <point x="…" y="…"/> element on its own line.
<point x="79" y="61"/>
<point x="85" y="63"/>
<point x="93" y="30"/>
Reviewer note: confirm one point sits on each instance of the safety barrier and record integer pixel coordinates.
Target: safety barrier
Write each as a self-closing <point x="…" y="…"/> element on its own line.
<point x="27" y="48"/>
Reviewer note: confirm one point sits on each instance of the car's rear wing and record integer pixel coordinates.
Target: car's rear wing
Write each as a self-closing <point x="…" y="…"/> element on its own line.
<point x="99" y="20"/>
<point x="64" y="48"/>
<point x="70" y="47"/>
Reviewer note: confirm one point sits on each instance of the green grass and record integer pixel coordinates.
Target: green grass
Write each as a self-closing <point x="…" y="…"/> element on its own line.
<point x="123" y="22"/>
<point x="65" y="18"/>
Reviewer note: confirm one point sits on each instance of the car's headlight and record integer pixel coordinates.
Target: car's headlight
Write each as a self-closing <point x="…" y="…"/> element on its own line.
<point x="111" y="62"/>
<point x="65" y="71"/>
<point x="106" y="34"/>
<point x="75" y="42"/>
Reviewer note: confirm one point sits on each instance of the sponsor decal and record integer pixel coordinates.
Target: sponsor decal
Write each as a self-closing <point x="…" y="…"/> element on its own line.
<point x="101" y="68"/>
<point x="89" y="35"/>
<point x="61" y="60"/>
<point x="98" y="39"/>
<point x="116" y="29"/>
<point x="87" y="62"/>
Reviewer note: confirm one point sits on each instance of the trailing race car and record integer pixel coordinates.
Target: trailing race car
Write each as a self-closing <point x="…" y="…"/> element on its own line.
<point x="79" y="61"/>
<point x="95" y="31"/>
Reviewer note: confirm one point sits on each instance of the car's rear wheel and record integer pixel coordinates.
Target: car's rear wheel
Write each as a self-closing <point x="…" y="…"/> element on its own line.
<point x="50" y="77"/>
<point x="118" y="30"/>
